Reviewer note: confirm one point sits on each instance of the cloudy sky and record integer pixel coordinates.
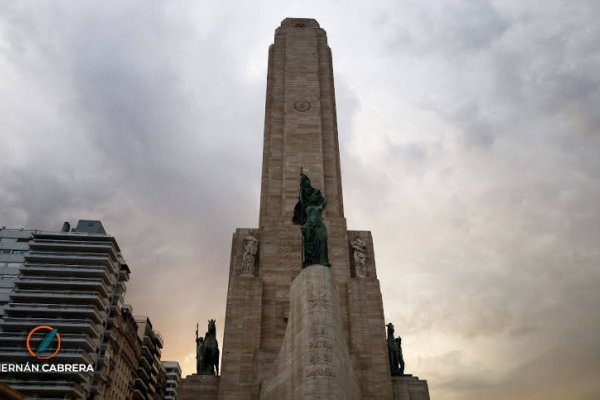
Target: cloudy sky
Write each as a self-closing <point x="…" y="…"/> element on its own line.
<point x="470" y="139"/>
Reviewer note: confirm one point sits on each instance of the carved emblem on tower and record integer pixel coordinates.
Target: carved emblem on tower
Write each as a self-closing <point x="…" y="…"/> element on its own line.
<point x="302" y="105"/>
<point x="320" y="302"/>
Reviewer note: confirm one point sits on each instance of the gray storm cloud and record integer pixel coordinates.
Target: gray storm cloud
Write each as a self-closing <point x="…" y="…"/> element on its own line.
<point x="469" y="137"/>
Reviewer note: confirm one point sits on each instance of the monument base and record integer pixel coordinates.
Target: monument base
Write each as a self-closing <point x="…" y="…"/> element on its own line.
<point x="409" y="387"/>
<point x="199" y="387"/>
<point x="314" y="361"/>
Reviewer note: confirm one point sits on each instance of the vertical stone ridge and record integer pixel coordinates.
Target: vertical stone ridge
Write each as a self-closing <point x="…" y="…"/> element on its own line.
<point x="300" y="121"/>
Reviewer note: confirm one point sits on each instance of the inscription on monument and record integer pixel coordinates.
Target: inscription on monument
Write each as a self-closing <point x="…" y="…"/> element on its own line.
<point x="318" y="330"/>
<point x="316" y="358"/>
<point x="320" y="371"/>
<point x="320" y="344"/>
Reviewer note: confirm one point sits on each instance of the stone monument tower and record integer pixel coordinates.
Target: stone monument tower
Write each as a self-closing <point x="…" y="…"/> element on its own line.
<point x="292" y="332"/>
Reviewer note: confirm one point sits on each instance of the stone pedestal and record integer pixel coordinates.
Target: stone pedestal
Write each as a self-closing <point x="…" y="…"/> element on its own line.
<point x="314" y="362"/>
<point x="199" y="387"/>
<point x="409" y="387"/>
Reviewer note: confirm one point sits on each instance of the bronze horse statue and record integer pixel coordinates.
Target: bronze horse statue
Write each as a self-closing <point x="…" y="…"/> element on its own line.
<point x="207" y="353"/>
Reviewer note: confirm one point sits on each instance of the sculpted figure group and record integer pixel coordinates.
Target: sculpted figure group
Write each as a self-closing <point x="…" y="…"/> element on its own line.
<point x="395" y="352"/>
<point x="250" y="249"/>
<point x="359" y="248"/>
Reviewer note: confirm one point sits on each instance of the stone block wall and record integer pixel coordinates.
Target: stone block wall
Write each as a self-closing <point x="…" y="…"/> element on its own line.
<point x="199" y="387"/>
<point x="410" y="387"/>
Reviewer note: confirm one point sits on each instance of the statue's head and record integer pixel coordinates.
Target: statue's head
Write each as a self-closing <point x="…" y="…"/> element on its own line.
<point x="390" y="328"/>
<point x="304" y="180"/>
<point x="358" y="240"/>
<point x="211" y="326"/>
<point x="316" y="198"/>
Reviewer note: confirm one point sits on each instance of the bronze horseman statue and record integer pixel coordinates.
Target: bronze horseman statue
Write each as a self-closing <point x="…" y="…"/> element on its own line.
<point x="308" y="214"/>
<point x="207" y="351"/>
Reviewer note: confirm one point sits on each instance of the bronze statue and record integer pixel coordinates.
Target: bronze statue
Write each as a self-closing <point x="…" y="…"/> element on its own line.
<point x="394" y="352"/>
<point x="400" y="356"/>
<point x="308" y="214"/>
<point x="207" y="351"/>
<point x="199" y="341"/>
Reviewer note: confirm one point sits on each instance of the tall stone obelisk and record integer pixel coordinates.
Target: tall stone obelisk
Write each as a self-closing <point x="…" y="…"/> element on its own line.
<point x="286" y="326"/>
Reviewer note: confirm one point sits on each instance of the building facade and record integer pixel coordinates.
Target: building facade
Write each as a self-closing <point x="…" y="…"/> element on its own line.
<point x="173" y="371"/>
<point x="124" y="349"/>
<point x="150" y="382"/>
<point x="73" y="281"/>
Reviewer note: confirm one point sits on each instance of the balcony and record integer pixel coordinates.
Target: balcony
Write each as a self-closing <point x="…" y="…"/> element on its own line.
<point x="139" y="383"/>
<point x="30" y="282"/>
<point x="52" y="296"/>
<point x="145" y="364"/>
<point x="173" y="376"/>
<point x="91" y="271"/>
<point x="47" y="388"/>
<point x="147" y="353"/>
<point x="158" y="339"/>
<point x="155" y="367"/>
<point x="74" y="246"/>
<point x="76" y="237"/>
<point x="58" y="257"/>
<point x="68" y="340"/>
<point x="76" y="356"/>
<point x="24" y="310"/>
<point x="65" y="325"/>
<point x="151" y="387"/>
